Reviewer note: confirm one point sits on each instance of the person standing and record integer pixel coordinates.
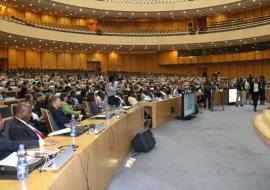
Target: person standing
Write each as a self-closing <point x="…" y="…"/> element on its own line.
<point x="110" y="90"/>
<point x="247" y="89"/>
<point x="240" y="92"/>
<point x="254" y="88"/>
<point x="207" y="93"/>
<point x="262" y="84"/>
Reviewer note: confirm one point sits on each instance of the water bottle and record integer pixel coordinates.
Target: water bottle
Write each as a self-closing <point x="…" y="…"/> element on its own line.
<point x="107" y="113"/>
<point x="73" y="126"/>
<point x="22" y="166"/>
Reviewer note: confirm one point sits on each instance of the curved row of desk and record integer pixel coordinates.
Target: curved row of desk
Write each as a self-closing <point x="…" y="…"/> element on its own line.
<point x="98" y="157"/>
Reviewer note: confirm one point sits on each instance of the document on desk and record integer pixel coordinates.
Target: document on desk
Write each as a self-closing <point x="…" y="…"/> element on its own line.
<point x="12" y="160"/>
<point x="99" y="116"/>
<point x="59" y="132"/>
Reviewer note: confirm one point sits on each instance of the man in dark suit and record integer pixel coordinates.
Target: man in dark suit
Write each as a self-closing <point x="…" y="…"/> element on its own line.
<point x="262" y="85"/>
<point x="20" y="129"/>
<point x="7" y="146"/>
<point x="59" y="117"/>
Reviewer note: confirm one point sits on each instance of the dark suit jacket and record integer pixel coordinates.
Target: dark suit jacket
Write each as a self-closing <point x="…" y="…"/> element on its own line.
<point x="7" y="146"/>
<point x="59" y="118"/>
<point x="18" y="131"/>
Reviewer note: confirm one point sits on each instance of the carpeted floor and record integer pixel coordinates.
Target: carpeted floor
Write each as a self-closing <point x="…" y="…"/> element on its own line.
<point x="215" y="151"/>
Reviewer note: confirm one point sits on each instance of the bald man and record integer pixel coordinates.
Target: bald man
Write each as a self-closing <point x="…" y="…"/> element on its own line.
<point x="20" y="129"/>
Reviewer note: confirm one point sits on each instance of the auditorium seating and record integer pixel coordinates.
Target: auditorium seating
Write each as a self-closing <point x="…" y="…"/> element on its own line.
<point x="148" y="30"/>
<point x="49" y="26"/>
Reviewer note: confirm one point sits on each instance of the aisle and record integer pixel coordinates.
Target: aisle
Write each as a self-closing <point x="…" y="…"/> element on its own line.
<point x="215" y="151"/>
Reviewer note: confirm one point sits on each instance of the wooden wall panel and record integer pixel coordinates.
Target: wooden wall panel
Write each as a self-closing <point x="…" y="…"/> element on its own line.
<point x="29" y="59"/>
<point x="45" y="60"/>
<point x="266" y="68"/>
<point x="33" y="17"/>
<point x="53" y="61"/>
<point x="48" y="19"/>
<point x="3" y="52"/>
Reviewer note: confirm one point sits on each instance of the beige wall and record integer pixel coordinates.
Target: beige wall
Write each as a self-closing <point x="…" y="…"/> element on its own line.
<point x="197" y="4"/>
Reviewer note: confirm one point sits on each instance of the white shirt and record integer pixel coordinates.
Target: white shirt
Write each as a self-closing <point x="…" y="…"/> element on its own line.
<point x="256" y="87"/>
<point x="41" y="141"/>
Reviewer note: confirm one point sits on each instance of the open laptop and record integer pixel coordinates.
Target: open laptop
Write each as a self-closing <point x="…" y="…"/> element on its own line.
<point x="66" y="132"/>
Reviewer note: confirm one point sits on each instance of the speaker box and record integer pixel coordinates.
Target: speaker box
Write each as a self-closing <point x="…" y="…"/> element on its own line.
<point x="144" y="141"/>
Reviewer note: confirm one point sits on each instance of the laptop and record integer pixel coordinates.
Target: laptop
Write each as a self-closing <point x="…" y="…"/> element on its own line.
<point x="98" y="128"/>
<point x="66" y="132"/>
<point x="8" y="166"/>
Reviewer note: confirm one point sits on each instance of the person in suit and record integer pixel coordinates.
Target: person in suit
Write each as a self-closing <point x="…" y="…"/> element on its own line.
<point x="207" y="93"/>
<point x="24" y="89"/>
<point x="21" y="129"/>
<point x="262" y="85"/>
<point x="7" y="146"/>
<point x="240" y="92"/>
<point x="254" y="88"/>
<point x="60" y="119"/>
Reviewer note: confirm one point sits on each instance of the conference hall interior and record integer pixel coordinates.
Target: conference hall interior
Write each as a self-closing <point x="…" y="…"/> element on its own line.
<point x="134" y="94"/>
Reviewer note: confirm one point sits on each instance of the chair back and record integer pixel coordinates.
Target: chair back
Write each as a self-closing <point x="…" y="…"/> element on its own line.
<point x="50" y="124"/>
<point x="5" y="131"/>
<point x="5" y="111"/>
<point x="86" y="107"/>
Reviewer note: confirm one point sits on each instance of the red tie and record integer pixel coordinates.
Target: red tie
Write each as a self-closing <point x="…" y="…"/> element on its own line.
<point x="40" y="134"/>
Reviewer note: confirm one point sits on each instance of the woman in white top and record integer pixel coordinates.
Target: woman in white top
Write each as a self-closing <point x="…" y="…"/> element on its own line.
<point x="254" y="87"/>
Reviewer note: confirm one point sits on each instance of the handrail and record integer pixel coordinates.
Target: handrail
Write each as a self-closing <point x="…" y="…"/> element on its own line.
<point x="169" y="32"/>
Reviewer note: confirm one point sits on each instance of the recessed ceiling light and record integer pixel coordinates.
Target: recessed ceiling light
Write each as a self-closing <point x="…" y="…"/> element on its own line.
<point x="93" y="11"/>
<point x="145" y="13"/>
<point x="80" y="9"/>
<point x="67" y="7"/>
<point x="239" y="4"/>
<point x="10" y="36"/>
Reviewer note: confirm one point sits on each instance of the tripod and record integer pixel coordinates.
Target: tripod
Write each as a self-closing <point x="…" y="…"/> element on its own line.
<point x="213" y="100"/>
